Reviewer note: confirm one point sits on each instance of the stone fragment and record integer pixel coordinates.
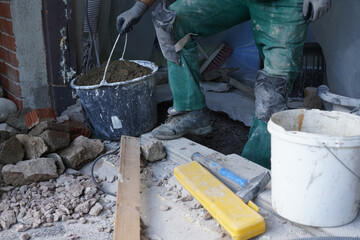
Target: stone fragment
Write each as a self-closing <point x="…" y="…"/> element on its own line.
<point x="207" y="216"/>
<point x="4" y="206"/>
<point x="83" y="208"/>
<point x="7" y="107"/>
<point x="58" y="161"/>
<point x="74" y="112"/>
<point x="24" y="236"/>
<point x="17" y="120"/>
<point x="187" y="198"/>
<point x="21" y="227"/>
<point x="74" y="188"/>
<point x="7" y="218"/>
<point x="311" y="99"/>
<point x="34" y="147"/>
<point x="4" y="135"/>
<point x="90" y="191"/>
<point x="48" y="125"/>
<point x="55" y="140"/>
<point x="26" y="172"/>
<point x="81" y="151"/>
<point x="153" y="151"/>
<point x="11" y="151"/>
<point x="165" y="208"/>
<point x="96" y="209"/>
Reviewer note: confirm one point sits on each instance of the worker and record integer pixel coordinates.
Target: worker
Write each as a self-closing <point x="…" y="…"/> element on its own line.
<point x="279" y="29"/>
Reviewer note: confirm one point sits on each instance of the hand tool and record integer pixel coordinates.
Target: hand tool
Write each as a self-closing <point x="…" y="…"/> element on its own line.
<point x="250" y="189"/>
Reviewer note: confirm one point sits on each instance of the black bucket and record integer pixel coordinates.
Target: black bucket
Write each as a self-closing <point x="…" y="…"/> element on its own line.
<point x="121" y="108"/>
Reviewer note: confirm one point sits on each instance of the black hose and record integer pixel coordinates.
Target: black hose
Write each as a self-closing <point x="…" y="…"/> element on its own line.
<point x="92" y="172"/>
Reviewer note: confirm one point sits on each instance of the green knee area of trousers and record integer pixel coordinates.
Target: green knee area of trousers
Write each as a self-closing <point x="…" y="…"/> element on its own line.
<point x="278" y="27"/>
<point x="279" y="31"/>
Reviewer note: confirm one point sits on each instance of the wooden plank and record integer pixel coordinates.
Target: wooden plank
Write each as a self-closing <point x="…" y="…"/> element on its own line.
<point x="127" y="216"/>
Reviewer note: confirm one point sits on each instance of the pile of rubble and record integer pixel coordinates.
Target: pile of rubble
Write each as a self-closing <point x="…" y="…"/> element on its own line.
<point x="69" y="197"/>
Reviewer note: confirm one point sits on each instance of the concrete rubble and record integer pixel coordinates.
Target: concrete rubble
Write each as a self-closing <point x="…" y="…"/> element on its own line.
<point x="153" y="151"/>
<point x="43" y="203"/>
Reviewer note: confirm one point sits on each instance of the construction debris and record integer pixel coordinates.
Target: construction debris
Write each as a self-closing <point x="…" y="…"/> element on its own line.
<point x="81" y="151"/>
<point x="153" y="151"/>
<point x="41" y="204"/>
<point x="6" y="108"/>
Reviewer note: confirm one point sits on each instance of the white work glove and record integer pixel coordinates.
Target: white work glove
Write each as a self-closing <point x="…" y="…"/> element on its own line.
<point x="314" y="9"/>
<point x="127" y="19"/>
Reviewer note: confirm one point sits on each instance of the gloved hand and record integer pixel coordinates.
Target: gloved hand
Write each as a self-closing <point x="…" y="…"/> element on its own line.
<point x="126" y="20"/>
<point x="314" y="9"/>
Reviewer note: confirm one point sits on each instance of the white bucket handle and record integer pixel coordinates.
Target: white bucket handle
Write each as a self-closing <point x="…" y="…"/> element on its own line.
<point x="103" y="81"/>
<point x="342" y="163"/>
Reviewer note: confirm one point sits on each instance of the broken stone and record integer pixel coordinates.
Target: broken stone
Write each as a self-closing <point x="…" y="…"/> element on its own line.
<point x="311" y="99"/>
<point x="74" y="112"/>
<point x="11" y="151"/>
<point x="17" y="120"/>
<point x="34" y="147"/>
<point x="26" y="172"/>
<point x="4" y="135"/>
<point x="21" y="227"/>
<point x="187" y="198"/>
<point x="7" y="107"/>
<point x="207" y="216"/>
<point x="55" y="140"/>
<point x="83" y="208"/>
<point x="58" y="161"/>
<point x="82" y="220"/>
<point x="81" y="151"/>
<point x="48" y="125"/>
<point x="24" y="236"/>
<point x="90" y="191"/>
<point x="74" y="188"/>
<point x="7" y="218"/>
<point x="153" y="151"/>
<point x="96" y="209"/>
<point x="165" y="208"/>
<point x="4" y="206"/>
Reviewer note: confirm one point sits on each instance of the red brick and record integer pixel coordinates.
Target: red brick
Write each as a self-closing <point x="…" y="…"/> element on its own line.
<point x="5" y="9"/>
<point x="12" y="86"/>
<point x="7" y="41"/>
<point x="34" y="117"/>
<point x="6" y="26"/>
<point x="15" y="99"/>
<point x="9" y="71"/>
<point x="8" y="56"/>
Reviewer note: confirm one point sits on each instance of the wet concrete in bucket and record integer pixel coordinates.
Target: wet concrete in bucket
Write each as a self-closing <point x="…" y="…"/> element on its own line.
<point x="118" y="71"/>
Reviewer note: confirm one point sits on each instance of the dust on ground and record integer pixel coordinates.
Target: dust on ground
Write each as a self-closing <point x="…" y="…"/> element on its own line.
<point x="118" y="71"/>
<point x="228" y="136"/>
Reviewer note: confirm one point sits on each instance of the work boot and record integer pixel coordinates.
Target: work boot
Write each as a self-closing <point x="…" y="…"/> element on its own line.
<point x="193" y="122"/>
<point x="172" y="112"/>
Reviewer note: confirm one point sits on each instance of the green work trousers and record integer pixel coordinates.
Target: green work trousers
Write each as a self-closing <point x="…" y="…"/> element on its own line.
<point x="279" y="31"/>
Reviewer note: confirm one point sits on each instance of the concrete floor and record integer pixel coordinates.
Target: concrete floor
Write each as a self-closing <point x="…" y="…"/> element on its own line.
<point x="167" y="209"/>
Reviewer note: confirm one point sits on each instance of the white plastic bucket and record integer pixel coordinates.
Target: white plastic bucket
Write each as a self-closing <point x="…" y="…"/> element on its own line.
<point x="315" y="165"/>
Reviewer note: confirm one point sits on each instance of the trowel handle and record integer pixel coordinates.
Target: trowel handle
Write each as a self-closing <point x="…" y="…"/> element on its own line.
<point x="217" y="169"/>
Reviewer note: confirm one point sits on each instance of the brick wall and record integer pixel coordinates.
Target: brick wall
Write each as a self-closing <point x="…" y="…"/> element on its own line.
<point x="9" y="74"/>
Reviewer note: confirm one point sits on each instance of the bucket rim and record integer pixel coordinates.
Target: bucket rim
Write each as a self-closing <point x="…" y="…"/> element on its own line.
<point x="313" y="139"/>
<point x="144" y="63"/>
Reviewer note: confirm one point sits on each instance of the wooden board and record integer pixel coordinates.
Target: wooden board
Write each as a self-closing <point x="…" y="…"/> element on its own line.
<point x="127" y="216"/>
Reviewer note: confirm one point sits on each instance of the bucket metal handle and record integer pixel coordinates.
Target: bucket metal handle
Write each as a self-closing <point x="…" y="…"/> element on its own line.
<point x="342" y="163"/>
<point x="103" y="81"/>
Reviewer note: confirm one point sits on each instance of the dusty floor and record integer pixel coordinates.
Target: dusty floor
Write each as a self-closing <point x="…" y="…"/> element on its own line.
<point x="118" y="71"/>
<point x="228" y="136"/>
